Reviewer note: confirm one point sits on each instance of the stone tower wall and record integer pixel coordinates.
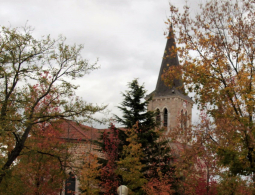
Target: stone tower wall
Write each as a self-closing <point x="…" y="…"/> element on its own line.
<point x="174" y="105"/>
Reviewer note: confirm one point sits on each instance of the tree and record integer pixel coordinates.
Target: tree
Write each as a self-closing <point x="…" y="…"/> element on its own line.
<point x="234" y="185"/>
<point x="134" y="109"/>
<point x="156" y="152"/>
<point x="159" y="186"/>
<point x="40" y="168"/>
<point x="109" y="178"/>
<point x="33" y="71"/>
<point x="130" y="166"/>
<point x="89" y="175"/>
<point x="195" y="164"/>
<point x="217" y="53"/>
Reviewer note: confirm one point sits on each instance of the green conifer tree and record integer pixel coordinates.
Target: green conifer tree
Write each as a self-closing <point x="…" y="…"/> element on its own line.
<point x="156" y="151"/>
<point x="134" y="109"/>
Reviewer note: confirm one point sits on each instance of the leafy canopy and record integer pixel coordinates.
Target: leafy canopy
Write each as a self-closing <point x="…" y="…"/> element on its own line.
<point x="217" y="56"/>
<point x="36" y="87"/>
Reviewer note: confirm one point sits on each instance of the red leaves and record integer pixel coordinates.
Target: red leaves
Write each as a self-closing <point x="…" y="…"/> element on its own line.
<point x="109" y="177"/>
<point x="40" y="166"/>
<point x="160" y="185"/>
<point x="203" y="187"/>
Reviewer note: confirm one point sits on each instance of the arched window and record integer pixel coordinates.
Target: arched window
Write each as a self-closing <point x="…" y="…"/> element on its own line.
<point x="165" y="117"/>
<point x="70" y="185"/>
<point x="158" y="119"/>
<point x="185" y="120"/>
<point x="182" y="120"/>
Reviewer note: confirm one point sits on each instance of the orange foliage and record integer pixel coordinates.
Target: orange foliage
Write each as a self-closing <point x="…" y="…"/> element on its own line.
<point x="217" y="57"/>
<point x="41" y="166"/>
<point x="160" y="185"/>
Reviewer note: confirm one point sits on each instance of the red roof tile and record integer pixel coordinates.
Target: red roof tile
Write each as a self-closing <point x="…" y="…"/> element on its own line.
<point x="74" y="130"/>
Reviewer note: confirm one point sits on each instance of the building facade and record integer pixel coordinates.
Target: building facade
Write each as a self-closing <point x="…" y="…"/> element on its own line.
<point x="81" y="139"/>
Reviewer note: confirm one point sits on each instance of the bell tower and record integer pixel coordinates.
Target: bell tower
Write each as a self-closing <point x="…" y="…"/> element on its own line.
<point x="170" y="103"/>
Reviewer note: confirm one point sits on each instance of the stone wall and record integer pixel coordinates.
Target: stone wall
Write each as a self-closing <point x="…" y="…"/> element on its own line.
<point x="174" y="105"/>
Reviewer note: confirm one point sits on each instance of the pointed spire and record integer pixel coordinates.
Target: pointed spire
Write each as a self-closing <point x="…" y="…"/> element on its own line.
<point x="169" y="59"/>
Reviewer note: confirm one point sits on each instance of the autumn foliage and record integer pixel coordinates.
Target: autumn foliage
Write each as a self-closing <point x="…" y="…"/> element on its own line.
<point x="129" y="165"/>
<point x="40" y="169"/>
<point x="217" y="56"/>
<point x="161" y="185"/>
<point x="89" y="174"/>
<point x="215" y="156"/>
<point x="109" y="177"/>
<point x="36" y="89"/>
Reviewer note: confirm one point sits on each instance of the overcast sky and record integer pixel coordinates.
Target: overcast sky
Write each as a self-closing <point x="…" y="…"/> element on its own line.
<point x="126" y="35"/>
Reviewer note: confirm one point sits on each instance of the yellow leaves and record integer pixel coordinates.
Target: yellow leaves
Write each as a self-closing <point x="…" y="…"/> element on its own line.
<point x="219" y="67"/>
<point x="129" y="166"/>
<point x="241" y="158"/>
<point x="89" y="173"/>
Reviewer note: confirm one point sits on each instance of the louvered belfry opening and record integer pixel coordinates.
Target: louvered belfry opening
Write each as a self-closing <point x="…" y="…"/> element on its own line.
<point x="165" y="117"/>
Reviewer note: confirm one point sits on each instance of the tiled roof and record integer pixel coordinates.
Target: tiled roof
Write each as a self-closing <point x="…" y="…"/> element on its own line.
<point x="73" y="130"/>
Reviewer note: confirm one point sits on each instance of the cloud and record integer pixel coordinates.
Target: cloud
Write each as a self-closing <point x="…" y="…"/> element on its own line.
<point x="126" y="36"/>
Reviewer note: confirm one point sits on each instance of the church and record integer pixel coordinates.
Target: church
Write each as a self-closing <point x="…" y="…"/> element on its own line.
<point x="169" y="103"/>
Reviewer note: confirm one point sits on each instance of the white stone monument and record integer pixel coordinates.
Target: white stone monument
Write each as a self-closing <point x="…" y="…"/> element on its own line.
<point x="122" y="190"/>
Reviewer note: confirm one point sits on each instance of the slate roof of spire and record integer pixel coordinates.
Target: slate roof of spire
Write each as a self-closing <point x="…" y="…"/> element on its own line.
<point x="169" y="59"/>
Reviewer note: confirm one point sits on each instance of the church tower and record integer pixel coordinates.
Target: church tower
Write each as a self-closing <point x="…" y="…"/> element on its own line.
<point x="170" y="103"/>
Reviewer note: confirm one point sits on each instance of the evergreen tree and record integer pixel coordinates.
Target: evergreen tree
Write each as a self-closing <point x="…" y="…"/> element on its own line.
<point x="134" y="109"/>
<point x="156" y="151"/>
